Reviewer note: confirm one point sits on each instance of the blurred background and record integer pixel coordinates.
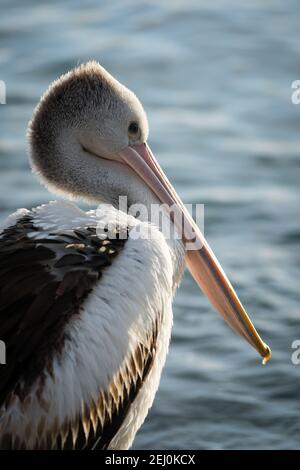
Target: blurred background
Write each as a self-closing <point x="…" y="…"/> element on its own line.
<point x="215" y="79"/>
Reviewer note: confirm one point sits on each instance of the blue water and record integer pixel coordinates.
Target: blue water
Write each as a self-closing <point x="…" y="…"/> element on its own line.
<point x="215" y="78"/>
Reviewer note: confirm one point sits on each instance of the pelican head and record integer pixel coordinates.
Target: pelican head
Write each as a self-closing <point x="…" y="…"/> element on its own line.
<point x="88" y="139"/>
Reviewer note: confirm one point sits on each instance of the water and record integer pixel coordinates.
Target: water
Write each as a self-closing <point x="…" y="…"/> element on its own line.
<point x="215" y="79"/>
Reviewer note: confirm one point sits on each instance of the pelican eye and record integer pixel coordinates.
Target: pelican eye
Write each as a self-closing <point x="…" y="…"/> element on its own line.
<point x="133" y="129"/>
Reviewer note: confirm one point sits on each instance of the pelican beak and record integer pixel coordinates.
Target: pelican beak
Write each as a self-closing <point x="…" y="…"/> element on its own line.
<point x="200" y="259"/>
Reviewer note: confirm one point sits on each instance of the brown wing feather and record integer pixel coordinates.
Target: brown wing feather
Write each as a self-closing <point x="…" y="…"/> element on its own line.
<point x="44" y="279"/>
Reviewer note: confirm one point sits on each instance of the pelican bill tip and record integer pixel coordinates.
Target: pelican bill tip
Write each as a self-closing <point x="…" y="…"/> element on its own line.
<point x="267" y="355"/>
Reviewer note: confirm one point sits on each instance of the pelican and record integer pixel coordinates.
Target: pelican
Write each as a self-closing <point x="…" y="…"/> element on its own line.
<point x="86" y="312"/>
